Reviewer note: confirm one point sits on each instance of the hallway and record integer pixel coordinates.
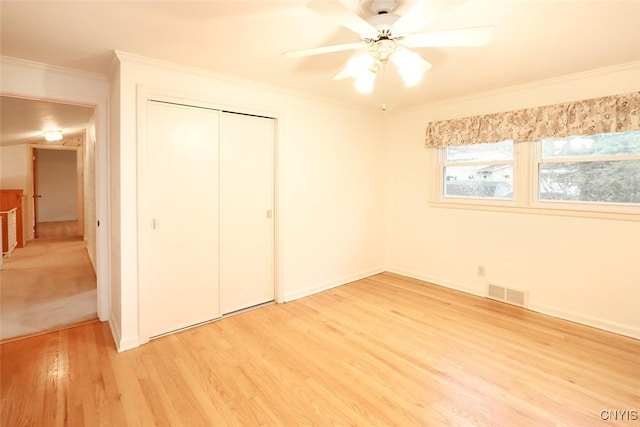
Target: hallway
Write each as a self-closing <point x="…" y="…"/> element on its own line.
<point x="46" y="285"/>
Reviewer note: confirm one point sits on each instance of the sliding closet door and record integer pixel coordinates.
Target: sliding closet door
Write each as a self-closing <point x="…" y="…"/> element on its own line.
<point x="246" y="211"/>
<point x="179" y="218"/>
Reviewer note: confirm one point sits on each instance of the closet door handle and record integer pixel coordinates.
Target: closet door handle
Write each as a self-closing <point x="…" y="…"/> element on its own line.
<point x="269" y="213"/>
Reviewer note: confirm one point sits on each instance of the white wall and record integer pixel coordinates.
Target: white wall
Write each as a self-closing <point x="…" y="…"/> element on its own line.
<point x="586" y="270"/>
<point x="330" y="210"/>
<point x="57" y="183"/>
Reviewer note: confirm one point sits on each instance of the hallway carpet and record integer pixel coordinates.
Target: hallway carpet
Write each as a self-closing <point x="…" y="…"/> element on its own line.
<point x="46" y="285"/>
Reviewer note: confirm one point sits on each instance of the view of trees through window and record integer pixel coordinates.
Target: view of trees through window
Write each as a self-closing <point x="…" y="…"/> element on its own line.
<point x="599" y="168"/>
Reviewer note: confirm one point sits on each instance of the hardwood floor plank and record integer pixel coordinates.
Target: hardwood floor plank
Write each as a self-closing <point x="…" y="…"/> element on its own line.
<point x="386" y="350"/>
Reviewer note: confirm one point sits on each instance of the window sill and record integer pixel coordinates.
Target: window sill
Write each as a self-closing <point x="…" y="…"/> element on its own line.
<point x="564" y="210"/>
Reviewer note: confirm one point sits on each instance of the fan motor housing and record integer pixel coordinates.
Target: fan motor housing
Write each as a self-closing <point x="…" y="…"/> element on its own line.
<point x="378" y="7"/>
<point x="381" y="17"/>
<point x="383" y="21"/>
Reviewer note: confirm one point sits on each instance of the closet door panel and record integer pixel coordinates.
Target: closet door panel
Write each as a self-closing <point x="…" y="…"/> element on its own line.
<point x="246" y="211"/>
<point x="179" y="218"/>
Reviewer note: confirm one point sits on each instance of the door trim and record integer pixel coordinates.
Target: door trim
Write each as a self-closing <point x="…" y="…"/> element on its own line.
<point x="26" y="79"/>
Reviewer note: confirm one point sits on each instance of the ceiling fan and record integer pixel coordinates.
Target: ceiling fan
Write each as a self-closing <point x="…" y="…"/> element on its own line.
<point x="386" y="37"/>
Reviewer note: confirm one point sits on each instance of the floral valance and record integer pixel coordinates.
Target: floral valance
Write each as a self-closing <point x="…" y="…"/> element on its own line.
<point x="616" y="113"/>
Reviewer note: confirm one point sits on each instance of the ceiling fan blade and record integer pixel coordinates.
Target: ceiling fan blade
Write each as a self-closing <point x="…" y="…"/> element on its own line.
<point x="418" y="62"/>
<point x="463" y="37"/>
<point x="422" y="13"/>
<point x="321" y="50"/>
<point x="340" y="14"/>
<point x="410" y="65"/>
<point x="345" y="73"/>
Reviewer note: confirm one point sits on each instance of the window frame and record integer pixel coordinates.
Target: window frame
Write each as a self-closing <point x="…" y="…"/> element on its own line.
<point x="468" y="200"/>
<point x="537" y="161"/>
<point x="525" y="189"/>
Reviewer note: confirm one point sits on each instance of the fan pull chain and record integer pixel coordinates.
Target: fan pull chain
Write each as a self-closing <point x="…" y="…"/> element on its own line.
<point x="384" y="86"/>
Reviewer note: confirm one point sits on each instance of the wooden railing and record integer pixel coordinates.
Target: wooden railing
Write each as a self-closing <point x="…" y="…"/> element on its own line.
<point x="9" y="232"/>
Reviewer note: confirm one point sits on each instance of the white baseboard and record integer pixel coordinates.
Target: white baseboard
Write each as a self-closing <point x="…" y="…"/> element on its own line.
<point x="121" y="344"/>
<point x="115" y="330"/>
<point x="58" y="219"/>
<point x="594" y="322"/>
<point x="605" y="325"/>
<point x="330" y="284"/>
<point x="437" y="281"/>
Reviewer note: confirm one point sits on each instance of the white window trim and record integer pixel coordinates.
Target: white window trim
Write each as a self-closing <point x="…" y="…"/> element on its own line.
<point x="525" y="189"/>
<point x="440" y="197"/>
<point x="598" y="207"/>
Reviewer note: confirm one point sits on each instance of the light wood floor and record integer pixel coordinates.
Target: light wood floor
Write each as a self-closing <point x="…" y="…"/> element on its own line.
<point x="386" y="350"/>
<point x="47" y="284"/>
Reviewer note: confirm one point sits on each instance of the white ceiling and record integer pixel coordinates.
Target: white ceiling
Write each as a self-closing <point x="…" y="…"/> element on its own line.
<point x="537" y="39"/>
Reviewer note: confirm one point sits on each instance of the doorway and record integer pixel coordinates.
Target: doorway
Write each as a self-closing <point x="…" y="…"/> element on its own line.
<point x="58" y="198"/>
<point x="50" y="283"/>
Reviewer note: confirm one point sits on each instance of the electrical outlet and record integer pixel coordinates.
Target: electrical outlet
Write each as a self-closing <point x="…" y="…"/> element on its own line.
<point x="481" y="270"/>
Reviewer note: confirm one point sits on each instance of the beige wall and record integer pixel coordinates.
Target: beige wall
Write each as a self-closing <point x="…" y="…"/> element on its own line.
<point x="115" y="212"/>
<point x="14" y="167"/>
<point x="586" y="270"/>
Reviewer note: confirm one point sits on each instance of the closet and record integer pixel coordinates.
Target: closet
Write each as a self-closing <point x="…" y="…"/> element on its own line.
<point x="206" y="226"/>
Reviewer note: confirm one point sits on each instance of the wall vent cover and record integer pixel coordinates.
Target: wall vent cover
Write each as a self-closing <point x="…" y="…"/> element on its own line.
<point x="509" y="295"/>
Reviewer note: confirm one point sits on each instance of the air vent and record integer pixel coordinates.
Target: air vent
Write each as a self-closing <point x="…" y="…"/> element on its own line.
<point x="506" y="294"/>
<point x="495" y="292"/>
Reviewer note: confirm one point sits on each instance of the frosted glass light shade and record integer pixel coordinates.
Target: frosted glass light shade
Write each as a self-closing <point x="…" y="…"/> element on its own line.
<point x="410" y="66"/>
<point x="364" y="83"/>
<point x="53" y="135"/>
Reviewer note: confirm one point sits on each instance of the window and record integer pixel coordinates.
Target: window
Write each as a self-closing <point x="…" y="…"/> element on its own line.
<point x="593" y="175"/>
<point x="598" y="169"/>
<point x="479" y="171"/>
<point x="597" y="173"/>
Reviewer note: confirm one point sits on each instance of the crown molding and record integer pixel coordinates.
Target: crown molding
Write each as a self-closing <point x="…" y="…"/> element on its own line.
<point x="51" y="68"/>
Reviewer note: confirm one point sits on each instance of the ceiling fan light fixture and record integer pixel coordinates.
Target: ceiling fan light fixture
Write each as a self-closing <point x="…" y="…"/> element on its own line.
<point x="364" y="83"/>
<point x="53" y="135"/>
<point x="410" y="66"/>
<point x="362" y="68"/>
<point x="360" y="65"/>
<point x="410" y="76"/>
<point x="385" y="36"/>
